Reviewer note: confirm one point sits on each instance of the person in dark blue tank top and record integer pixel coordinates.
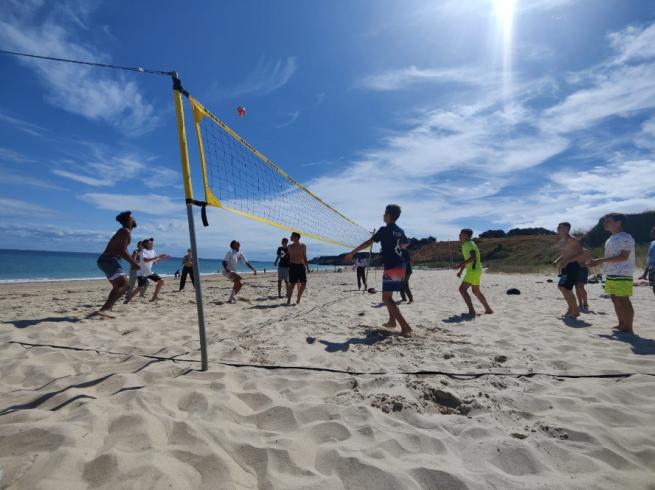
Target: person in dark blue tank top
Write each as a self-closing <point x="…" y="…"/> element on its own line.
<point x="392" y="240"/>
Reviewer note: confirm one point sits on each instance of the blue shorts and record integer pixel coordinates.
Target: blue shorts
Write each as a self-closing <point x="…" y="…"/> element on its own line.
<point x="393" y="278"/>
<point x="111" y="266"/>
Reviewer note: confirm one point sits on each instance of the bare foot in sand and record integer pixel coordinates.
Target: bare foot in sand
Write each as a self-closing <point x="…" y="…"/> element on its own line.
<point x="101" y="314"/>
<point x="390" y="324"/>
<point x="408" y="332"/>
<point x="489" y="312"/>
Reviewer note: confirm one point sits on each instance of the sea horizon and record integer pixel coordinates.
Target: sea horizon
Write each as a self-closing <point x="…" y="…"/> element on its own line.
<point x="20" y="266"/>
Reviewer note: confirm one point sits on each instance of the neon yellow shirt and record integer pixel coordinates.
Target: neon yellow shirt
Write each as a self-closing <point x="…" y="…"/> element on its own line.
<point x="469" y="247"/>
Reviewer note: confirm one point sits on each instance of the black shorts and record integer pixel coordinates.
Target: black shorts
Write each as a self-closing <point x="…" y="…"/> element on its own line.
<point x="297" y="274"/>
<point x="569" y="276"/>
<point x="144" y="279"/>
<point x="583" y="276"/>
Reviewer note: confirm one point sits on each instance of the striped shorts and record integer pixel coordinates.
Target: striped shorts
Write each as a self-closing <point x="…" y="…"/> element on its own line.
<point x="620" y="286"/>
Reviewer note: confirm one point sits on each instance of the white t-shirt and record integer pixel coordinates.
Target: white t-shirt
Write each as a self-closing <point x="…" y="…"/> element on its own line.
<point x="613" y="247"/>
<point x="232" y="258"/>
<point x="146" y="267"/>
<point x="361" y="262"/>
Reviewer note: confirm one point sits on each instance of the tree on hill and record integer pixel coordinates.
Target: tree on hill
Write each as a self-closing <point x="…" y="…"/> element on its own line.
<point x="529" y="231"/>
<point x="493" y="234"/>
<point x="638" y="225"/>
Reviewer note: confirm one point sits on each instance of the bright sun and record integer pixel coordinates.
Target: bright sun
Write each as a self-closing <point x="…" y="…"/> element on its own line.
<point x="504" y="10"/>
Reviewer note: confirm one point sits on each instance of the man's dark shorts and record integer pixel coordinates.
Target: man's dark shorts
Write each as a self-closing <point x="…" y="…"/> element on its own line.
<point x="143" y="280"/>
<point x="651" y="276"/>
<point x="583" y="275"/>
<point x="297" y="274"/>
<point x="111" y="266"/>
<point x="569" y="276"/>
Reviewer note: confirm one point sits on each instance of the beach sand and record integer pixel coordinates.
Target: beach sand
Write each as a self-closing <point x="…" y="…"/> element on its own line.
<point x="89" y="403"/>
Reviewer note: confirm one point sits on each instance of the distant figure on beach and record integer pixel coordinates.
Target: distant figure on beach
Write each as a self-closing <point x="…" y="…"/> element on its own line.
<point x="109" y="262"/>
<point x="298" y="267"/>
<point x="393" y="240"/>
<point x="581" y="282"/>
<point x="570" y="251"/>
<point x="147" y="259"/>
<point x="282" y="264"/>
<point x="618" y="268"/>
<point x="405" y="292"/>
<point x="177" y="273"/>
<point x="230" y="263"/>
<point x="473" y="266"/>
<point x="649" y="273"/>
<point x="361" y="262"/>
<point x="187" y="270"/>
<point x="133" y="272"/>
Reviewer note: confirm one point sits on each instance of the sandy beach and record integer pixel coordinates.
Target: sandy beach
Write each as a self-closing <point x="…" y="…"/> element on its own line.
<point x="518" y="399"/>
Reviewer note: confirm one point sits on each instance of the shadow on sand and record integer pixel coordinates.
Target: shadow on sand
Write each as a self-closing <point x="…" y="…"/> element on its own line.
<point x="464" y="317"/>
<point x="639" y="345"/>
<point x="575" y="323"/>
<point x="373" y="337"/>
<point x="31" y="323"/>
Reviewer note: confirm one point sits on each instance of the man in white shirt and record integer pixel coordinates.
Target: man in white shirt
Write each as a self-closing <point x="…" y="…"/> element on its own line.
<point x="232" y="259"/>
<point x="148" y="258"/>
<point x="649" y="273"/>
<point x="618" y="267"/>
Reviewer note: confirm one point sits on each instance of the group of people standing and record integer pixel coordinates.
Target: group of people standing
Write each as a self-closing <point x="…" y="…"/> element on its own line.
<point x="292" y="267"/>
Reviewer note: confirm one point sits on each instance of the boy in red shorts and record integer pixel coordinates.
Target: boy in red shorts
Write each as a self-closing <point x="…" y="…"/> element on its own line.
<point x="392" y="240"/>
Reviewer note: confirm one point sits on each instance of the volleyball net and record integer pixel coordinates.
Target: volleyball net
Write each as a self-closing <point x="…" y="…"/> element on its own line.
<point x="239" y="179"/>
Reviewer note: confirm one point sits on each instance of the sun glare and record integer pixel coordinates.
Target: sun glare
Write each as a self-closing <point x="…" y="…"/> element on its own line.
<point x="504" y="10"/>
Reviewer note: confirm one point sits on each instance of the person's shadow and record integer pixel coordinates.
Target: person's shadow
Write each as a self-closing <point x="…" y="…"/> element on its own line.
<point x="639" y="345"/>
<point x="458" y="318"/>
<point x="575" y="323"/>
<point x="373" y="337"/>
<point x="31" y="323"/>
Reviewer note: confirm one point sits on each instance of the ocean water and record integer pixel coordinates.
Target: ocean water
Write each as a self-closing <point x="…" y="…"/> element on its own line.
<point x="28" y="266"/>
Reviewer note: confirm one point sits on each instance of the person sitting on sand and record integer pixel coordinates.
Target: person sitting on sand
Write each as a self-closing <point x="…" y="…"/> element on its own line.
<point x="187" y="270"/>
<point x="570" y="250"/>
<point x="360" y="265"/>
<point x="473" y="266"/>
<point x="282" y="264"/>
<point x="649" y="273"/>
<point x="392" y="239"/>
<point x="618" y="267"/>
<point x="147" y="260"/>
<point x="297" y="266"/>
<point x="109" y="262"/>
<point x="230" y="263"/>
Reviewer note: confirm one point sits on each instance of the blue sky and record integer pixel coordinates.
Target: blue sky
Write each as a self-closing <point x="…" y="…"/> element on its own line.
<point x="461" y="113"/>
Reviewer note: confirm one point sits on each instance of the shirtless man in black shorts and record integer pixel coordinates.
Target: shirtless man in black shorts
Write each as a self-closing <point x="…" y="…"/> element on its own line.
<point x="297" y="267"/>
<point x="109" y="262"/>
<point x="570" y="251"/>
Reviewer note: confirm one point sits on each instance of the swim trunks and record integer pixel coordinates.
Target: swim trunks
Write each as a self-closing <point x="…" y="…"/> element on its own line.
<point x="620" y="286"/>
<point x="111" y="266"/>
<point x="283" y="273"/>
<point x="143" y="280"/>
<point x="651" y="276"/>
<point x="583" y="275"/>
<point x="473" y="277"/>
<point x="297" y="274"/>
<point x="569" y="275"/>
<point x="392" y="278"/>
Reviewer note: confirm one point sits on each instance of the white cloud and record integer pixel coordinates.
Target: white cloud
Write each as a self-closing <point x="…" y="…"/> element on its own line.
<point x="22" y="125"/>
<point x="404" y="77"/>
<point x="84" y="179"/>
<point x="153" y="204"/>
<point x="9" y="155"/>
<point x="90" y="92"/>
<point x="293" y="116"/>
<point x="51" y="233"/>
<point x="266" y="77"/>
<point x="634" y="43"/>
<point x="16" y="208"/>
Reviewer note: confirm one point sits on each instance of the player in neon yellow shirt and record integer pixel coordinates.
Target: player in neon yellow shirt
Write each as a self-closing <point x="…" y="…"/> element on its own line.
<point x="473" y="267"/>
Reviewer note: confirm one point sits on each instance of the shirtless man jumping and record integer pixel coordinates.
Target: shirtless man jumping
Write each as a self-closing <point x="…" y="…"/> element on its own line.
<point x="109" y="262"/>
<point x="571" y="251"/>
<point x="297" y="266"/>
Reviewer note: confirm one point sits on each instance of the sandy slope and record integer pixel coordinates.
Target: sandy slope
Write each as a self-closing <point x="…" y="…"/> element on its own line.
<point x="104" y="414"/>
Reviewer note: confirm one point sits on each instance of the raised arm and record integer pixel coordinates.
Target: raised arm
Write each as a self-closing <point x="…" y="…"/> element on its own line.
<point x="363" y="246"/>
